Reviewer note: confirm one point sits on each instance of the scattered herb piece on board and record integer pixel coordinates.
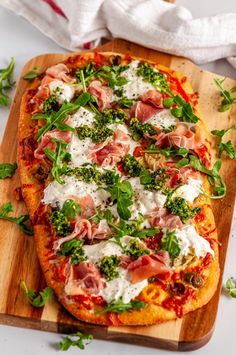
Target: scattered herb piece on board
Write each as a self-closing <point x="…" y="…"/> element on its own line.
<point x="4" y="214"/>
<point x="7" y="170"/>
<point x="227" y="99"/>
<point x="231" y="287"/>
<point x="227" y="147"/>
<point x="6" y="83"/>
<point x="32" y="74"/>
<point x="37" y="300"/>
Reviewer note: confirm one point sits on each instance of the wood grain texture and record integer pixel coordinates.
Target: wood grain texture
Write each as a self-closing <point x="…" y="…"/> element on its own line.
<point x="18" y="258"/>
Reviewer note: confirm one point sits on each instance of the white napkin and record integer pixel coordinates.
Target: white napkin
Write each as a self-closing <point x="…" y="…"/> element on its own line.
<point x="152" y="23"/>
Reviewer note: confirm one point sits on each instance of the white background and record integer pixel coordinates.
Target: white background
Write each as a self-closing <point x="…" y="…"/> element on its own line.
<point x="22" y="41"/>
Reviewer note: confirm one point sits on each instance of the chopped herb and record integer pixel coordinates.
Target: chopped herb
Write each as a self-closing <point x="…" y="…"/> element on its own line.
<point x="60" y="223"/>
<point x="138" y="129"/>
<point x="109" y="177"/>
<point x="4" y="214"/>
<point x="227" y="99"/>
<point x="74" y="249"/>
<point x="67" y="342"/>
<point x="59" y="159"/>
<point x="6" y="83"/>
<point x="108" y="267"/>
<point x="97" y="135"/>
<point x="170" y="243"/>
<point x="50" y="105"/>
<point x="120" y="307"/>
<point x="121" y="193"/>
<point x="132" y="166"/>
<point x="153" y="76"/>
<point x="110" y="116"/>
<point x="153" y="181"/>
<point x="32" y="74"/>
<point x="135" y="250"/>
<point x="227" y="147"/>
<point x="56" y="119"/>
<point x="7" y="170"/>
<point x="179" y="207"/>
<point x="214" y="178"/>
<point x="231" y="287"/>
<point x="37" y="300"/>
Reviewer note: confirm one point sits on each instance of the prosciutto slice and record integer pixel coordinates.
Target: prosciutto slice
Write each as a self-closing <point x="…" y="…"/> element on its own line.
<point x="112" y="150"/>
<point x="47" y="142"/>
<point x="103" y="94"/>
<point x="149" y="104"/>
<point x="162" y="218"/>
<point x="60" y="72"/>
<point x="150" y="265"/>
<point x="85" y="278"/>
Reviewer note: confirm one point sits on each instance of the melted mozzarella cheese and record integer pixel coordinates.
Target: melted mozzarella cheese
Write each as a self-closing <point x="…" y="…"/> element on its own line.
<point x="189" y="191"/>
<point x="144" y="200"/>
<point x="81" y="117"/>
<point x="56" y="194"/>
<point x="136" y="86"/>
<point x="190" y="241"/>
<point x="163" y="119"/>
<point x="79" y="151"/>
<point x="121" y="286"/>
<point x="65" y="92"/>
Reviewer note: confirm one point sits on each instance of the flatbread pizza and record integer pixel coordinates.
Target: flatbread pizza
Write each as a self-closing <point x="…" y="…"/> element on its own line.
<point x="113" y="156"/>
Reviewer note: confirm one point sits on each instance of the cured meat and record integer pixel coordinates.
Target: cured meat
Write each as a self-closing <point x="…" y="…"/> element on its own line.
<point x="112" y="150"/>
<point x="47" y="142"/>
<point x="60" y="72"/>
<point x="150" y="104"/>
<point x="162" y="218"/>
<point x="103" y="94"/>
<point x="150" y="265"/>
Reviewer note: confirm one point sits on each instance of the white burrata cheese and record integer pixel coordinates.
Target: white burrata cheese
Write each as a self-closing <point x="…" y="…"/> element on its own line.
<point x="189" y="191"/>
<point x="121" y="286"/>
<point x="65" y="92"/>
<point x="163" y="119"/>
<point x="79" y="151"/>
<point x="190" y="240"/>
<point x="136" y="86"/>
<point x="56" y="194"/>
<point x="81" y="117"/>
<point x="144" y="200"/>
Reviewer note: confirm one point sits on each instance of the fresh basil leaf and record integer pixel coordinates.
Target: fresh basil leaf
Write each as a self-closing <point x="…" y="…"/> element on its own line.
<point x="227" y="99"/>
<point x="7" y="170"/>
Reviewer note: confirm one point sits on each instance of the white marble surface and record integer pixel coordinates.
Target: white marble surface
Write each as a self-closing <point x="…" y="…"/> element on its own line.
<point x="20" y="40"/>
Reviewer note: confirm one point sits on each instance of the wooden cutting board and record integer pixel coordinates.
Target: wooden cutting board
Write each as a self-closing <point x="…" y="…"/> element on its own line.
<point x="18" y="258"/>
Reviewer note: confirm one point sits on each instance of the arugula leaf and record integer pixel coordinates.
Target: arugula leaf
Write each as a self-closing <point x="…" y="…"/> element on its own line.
<point x="4" y="214"/>
<point x="70" y="209"/>
<point x="227" y="147"/>
<point x="184" y="111"/>
<point x="218" y="184"/>
<point x="6" y="83"/>
<point x="167" y="152"/>
<point x="56" y="119"/>
<point x="231" y="287"/>
<point x="227" y="99"/>
<point x="170" y="243"/>
<point x="125" y="102"/>
<point x="67" y="342"/>
<point x="37" y="300"/>
<point x="32" y="74"/>
<point x="120" y="307"/>
<point x="121" y="193"/>
<point x="7" y="170"/>
<point x="59" y="159"/>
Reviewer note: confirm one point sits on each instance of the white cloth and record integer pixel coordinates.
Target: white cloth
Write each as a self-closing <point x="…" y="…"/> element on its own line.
<point x="151" y="23"/>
